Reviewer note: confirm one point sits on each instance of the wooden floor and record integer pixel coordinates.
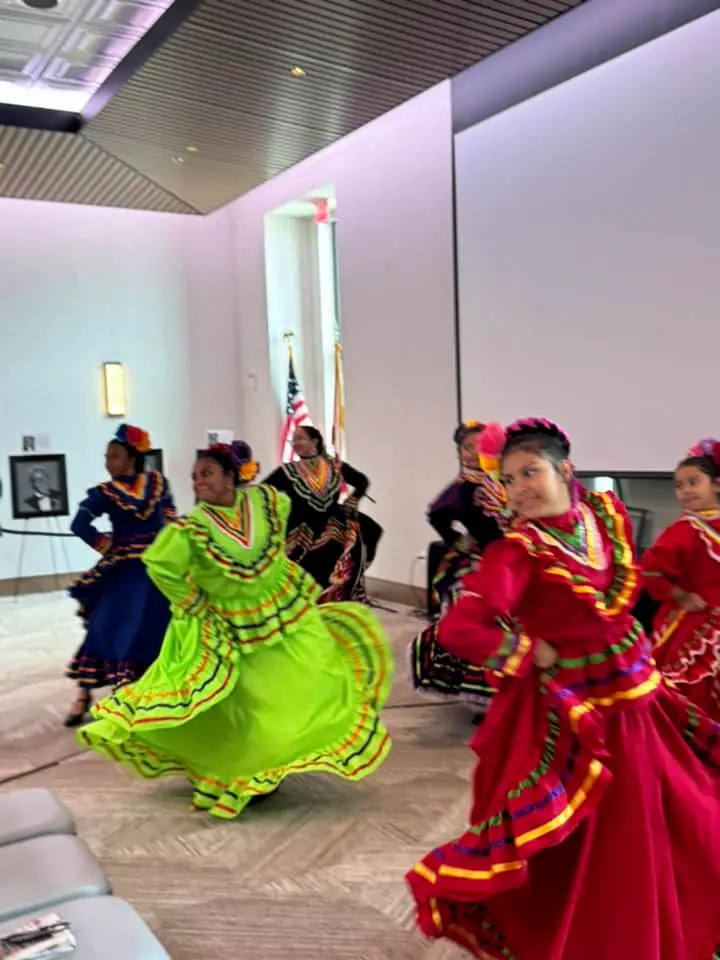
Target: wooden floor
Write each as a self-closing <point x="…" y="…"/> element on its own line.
<point x="317" y="871"/>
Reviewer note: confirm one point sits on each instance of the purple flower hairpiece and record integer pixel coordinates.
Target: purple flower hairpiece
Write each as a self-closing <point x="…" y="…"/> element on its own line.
<point x="240" y="453"/>
<point x="708" y="447"/>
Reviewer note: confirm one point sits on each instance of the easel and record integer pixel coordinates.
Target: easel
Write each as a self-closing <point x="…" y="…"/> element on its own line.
<point x="52" y="532"/>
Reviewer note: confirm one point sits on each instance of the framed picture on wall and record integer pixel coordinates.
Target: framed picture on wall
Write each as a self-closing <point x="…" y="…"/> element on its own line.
<point x="38" y="484"/>
<point x="154" y="460"/>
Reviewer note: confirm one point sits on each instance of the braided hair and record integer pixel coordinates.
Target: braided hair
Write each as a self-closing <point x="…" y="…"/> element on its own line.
<point x="540" y="436"/>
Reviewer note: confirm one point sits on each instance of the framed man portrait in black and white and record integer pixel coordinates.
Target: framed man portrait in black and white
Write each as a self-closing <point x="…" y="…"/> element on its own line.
<point x="154" y="460"/>
<point x="38" y="485"/>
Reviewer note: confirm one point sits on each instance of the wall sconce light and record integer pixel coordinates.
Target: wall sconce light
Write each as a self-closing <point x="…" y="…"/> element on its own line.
<point x="115" y="395"/>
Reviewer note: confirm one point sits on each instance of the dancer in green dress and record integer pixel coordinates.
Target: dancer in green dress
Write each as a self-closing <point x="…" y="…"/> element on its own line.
<point x="254" y="681"/>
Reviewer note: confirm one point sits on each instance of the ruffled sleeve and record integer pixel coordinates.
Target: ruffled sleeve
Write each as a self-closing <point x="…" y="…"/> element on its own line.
<point x="94" y="506"/>
<point x="167" y="561"/>
<point x="663" y="563"/>
<point x="480" y="628"/>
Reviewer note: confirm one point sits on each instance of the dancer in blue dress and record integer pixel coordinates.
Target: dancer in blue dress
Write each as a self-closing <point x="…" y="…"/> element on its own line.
<point x="125" y="615"/>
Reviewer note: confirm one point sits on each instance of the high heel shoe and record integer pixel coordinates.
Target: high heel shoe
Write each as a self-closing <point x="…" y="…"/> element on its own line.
<point x="80" y="709"/>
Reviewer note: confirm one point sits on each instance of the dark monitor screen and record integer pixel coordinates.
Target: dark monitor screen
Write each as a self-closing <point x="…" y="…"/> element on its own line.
<point x="649" y="497"/>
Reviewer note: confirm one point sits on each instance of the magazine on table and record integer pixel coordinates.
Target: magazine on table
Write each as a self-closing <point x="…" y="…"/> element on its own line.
<point x="45" y="938"/>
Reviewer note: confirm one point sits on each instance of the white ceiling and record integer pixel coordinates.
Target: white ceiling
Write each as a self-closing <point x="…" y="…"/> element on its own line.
<point x="58" y="58"/>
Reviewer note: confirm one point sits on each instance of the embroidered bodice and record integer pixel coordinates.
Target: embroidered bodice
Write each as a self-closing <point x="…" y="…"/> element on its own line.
<point x="137" y="507"/>
<point x="686" y="555"/>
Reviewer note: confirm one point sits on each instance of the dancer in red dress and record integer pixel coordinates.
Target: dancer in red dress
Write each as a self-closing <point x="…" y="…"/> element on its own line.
<point x="595" y="827"/>
<point x="682" y="570"/>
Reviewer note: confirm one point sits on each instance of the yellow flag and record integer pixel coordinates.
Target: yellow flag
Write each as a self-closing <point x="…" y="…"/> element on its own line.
<point x="338" y="427"/>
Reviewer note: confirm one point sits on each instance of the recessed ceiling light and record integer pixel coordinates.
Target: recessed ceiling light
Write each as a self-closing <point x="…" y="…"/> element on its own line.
<point x="2" y="166"/>
<point x="297" y="71"/>
<point x="178" y="159"/>
<point x="192" y="149"/>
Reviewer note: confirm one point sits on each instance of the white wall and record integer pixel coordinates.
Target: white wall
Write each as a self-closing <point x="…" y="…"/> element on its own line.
<point x="393" y="185"/>
<point x="182" y="303"/>
<point x="589" y="244"/>
<point x="82" y="285"/>
<point x="292" y="287"/>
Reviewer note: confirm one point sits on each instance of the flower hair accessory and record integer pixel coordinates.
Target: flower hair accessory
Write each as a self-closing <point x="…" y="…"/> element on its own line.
<point x="490" y="447"/>
<point x="240" y="455"/>
<point x="709" y="447"/>
<point x="134" y="437"/>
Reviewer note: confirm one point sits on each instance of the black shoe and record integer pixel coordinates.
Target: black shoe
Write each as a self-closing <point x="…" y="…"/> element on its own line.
<point x="80" y="709"/>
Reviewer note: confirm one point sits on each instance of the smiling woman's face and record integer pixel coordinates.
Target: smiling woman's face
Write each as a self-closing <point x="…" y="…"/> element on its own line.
<point x="210" y="483"/>
<point x="303" y="444"/>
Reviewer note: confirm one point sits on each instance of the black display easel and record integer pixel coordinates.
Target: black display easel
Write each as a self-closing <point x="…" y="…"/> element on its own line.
<point x="52" y="531"/>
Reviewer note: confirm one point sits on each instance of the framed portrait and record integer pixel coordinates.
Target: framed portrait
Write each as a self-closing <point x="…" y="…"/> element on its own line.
<point x="154" y="460"/>
<point x="38" y="484"/>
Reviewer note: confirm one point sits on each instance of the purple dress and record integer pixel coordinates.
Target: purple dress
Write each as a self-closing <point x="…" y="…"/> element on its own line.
<point x="477" y="502"/>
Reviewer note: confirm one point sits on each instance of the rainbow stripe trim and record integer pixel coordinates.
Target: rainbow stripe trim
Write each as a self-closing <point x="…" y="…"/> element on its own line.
<point x="135" y="709"/>
<point x="540" y="542"/>
<point x="317" y="482"/>
<point x="139" y="496"/>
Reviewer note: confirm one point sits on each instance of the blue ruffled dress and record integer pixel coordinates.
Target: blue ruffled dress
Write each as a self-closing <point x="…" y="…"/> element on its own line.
<point x="125" y="615"/>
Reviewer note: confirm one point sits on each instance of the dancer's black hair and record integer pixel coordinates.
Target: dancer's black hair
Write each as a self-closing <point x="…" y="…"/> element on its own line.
<point x="465" y="430"/>
<point x="229" y="457"/>
<point x="706" y="464"/>
<point x="543" y="437"/>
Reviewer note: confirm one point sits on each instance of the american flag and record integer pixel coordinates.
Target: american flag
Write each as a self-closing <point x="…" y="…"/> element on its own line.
<point x="296" y="411"/>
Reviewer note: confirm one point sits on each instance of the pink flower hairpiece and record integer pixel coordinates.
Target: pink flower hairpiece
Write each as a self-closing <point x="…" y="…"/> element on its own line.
<point x="490" y="445"/>
<point x="491" y="441"/>
<point x="708" y="447"/>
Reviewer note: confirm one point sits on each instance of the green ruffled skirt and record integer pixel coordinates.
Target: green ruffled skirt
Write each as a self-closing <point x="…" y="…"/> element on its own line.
<point x="238" y="718"/>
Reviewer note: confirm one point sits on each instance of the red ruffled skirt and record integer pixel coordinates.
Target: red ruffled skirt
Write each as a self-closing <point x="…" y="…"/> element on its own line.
<point x="595" y="834"/>
<point x="687" y="650"/>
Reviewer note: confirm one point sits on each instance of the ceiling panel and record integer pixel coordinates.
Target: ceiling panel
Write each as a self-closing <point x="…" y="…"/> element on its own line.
<point x="69" y="168"/>
<point x="60" y="56"/>
<point x="222" y="84"/>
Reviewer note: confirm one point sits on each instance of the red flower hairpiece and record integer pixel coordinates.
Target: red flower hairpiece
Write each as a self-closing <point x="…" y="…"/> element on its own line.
<point x="133" y="437"/>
